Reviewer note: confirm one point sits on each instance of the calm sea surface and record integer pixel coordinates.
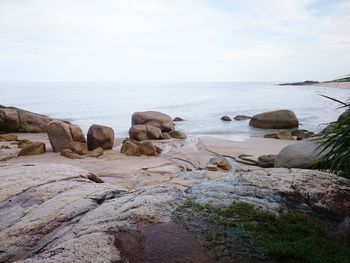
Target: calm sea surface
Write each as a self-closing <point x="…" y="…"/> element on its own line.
<point x="201" y="104"/>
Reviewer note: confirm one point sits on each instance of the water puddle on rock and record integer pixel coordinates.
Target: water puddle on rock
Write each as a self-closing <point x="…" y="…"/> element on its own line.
<point x="164" y="242"/>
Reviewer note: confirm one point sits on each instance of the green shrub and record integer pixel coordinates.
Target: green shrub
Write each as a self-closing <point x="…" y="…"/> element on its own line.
<point x="335" y="144"/>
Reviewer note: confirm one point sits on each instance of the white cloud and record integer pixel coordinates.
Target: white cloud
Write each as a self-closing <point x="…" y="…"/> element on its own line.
<point x="163" y="40"/>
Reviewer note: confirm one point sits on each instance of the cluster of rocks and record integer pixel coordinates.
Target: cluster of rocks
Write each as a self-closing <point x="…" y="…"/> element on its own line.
<point x="69" y="139"/>
<point x="26" y="147"/>
<point x="150" y="125"/>
<point x="136" y="148"/>
<point x="217" y="163"/>
<point x="291" y="135"/>
<point x="237" y="118"/>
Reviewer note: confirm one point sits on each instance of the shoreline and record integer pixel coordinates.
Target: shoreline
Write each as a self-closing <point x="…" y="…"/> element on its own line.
<point x="332" y="84"/>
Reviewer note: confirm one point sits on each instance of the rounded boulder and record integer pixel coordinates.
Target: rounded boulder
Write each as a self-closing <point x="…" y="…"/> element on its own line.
<point x="153" y="118"/>
<point x="100" y="136"/>
<point x="279" y="119"/>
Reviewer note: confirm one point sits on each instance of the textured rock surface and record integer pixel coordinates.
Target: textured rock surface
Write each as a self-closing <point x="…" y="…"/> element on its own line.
<point x="130" y="148"/>
<point x="297" y="155"/>
<point x="279" y="119"/>
<point x="96" y="152"/>
<point x="153" y="118"/>
<point x="144" y="132"/>
<point x="273" y="189"/>
<point x="178" y="135"/>
<point x="100" y="136"/>
<point x="32" y="148"/>
<point x="282" y="135"/>
<point x="52" y="213"/>
<point x="17" y="120"/>
<point x="66" y="136"/>
<point x="148" y="148"/>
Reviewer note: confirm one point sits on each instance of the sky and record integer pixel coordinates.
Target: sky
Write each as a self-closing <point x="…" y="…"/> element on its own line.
<point x="174" y="40"/>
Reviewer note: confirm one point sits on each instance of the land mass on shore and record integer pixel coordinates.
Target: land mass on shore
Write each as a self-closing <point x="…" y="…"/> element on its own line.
<point x="341" y="83"/>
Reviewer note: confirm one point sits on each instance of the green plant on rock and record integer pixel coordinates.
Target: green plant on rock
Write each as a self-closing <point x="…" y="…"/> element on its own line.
<point x="334" y="156"/>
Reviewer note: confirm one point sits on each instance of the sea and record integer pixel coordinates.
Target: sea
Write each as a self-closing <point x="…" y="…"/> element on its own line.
<point x="200" y="104"/>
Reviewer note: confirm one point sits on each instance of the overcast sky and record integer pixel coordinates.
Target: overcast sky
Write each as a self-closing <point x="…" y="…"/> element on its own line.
<point x="171" y="40"/>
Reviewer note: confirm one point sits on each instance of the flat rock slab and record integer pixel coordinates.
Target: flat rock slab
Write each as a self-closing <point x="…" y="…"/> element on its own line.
<point x="53" y="213"/>
<point x="278" y="188"/>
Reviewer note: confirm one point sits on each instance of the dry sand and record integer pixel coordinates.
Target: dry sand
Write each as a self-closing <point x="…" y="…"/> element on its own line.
<point x="334" y="84"/>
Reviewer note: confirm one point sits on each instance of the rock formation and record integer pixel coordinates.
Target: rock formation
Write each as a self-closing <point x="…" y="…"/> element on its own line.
<point x="66" y="136"/>
<point x="17" y="120"/>
<point x="279" y="119"/>
<point x="153" y="118"/>
<point x="100" y="136"/>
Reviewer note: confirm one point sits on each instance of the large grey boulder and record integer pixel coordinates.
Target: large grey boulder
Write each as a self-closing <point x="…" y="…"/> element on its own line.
<point x="279" y="119"/>
<point x="298" y="155"/>
<point x="277" y="188"/>
<point x="153" y="118"/>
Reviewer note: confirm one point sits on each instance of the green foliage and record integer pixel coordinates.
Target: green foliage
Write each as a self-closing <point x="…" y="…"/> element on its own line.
<point x="285" y="237"/>
<point x="335" y="145"/>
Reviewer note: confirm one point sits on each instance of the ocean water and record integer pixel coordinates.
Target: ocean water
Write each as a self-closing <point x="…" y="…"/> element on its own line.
<point x="200" y="104"/>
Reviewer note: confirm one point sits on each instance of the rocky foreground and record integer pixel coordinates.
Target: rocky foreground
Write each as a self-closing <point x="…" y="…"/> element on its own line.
<point x="60" y="213"/>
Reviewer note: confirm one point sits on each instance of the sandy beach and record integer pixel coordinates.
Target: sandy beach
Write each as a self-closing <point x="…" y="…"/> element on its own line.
<point x="132" y="172"/>
<point x="333" y="84"/>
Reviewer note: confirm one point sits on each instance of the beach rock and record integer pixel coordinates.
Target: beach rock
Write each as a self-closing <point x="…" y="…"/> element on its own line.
<point x="221" y="162"/>
<point x="178" y="119"/>
<point x="302" y="134"/>
<point x="266" y="161"/>
<point x="279" y="119"/>
<point x="8" y="137"/>
<point x="241" y="117"/>
<point x="267" y="158"/>
<point x="165" y="136"/>
<point x="153" y="118"/>
<point x="9" y="121"/>
<point x="278" y="188"/>
<point x="32" y="148"/>
<point x="32" y="122"/>
<point x="68" y="153"/>
<point x="282" y="135"/>
<point x="66" y="136"/>
<point x="178" y="135"/>
<point x="144" y="132"/>
<point x="100" y="136"/>
<point x="130" y="148"/>
<point x="22" y="143"/>
<point x="148" y="148"/>
<point x="212" y="167"/>
<point x="301" y="154"/>
<point x="96" y="152"/>
<point x="226" y="118"/>
<point x="18" y="120"/>
<point x="8" y="151"/>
